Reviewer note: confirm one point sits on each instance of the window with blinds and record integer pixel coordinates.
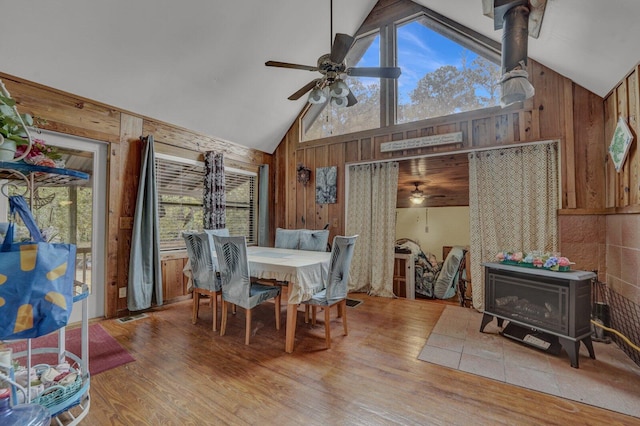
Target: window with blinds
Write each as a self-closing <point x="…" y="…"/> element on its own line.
<point x="180" y="186"/>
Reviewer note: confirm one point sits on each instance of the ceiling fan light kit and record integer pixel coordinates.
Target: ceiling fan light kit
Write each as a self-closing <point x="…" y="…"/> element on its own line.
<point x="317" y="96"/>
<point x="338" y="89"/>
<point x="417" y="196"/>
<point x="334" y="70"/>
<point x="340" y="102"/>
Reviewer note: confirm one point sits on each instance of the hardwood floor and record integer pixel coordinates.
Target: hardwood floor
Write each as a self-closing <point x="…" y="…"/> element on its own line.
<point x="186" y="374"/>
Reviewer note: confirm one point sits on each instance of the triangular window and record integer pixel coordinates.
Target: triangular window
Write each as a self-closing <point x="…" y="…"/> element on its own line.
<point x="440" y="76"/>
<point x="446" y="69"/>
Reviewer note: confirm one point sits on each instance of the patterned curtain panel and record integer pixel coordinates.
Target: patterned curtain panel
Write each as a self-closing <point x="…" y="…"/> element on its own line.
<point x="214" y="199"/>
<point x="359" y="223"/>
<point x="372" y="206"/>
<point x="513" y="203"/>
<point x="384" y="188"/>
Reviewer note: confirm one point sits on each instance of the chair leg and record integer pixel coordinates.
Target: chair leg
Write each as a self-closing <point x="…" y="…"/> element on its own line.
<point x="223" y="321"/>
<point x="277" y="311"/>
<point x="247" y="330"/>
<point x="342" y="306"/>
<point x="196" y="305"/>
<point x="313" y="314"/>
<point x="327" y="326"/>
<point x="306" y="314"/>
<point x="214" y="302"/>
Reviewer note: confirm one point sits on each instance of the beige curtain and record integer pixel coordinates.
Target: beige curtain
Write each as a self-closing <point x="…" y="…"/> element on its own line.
<point x="513" y="203"/>
<point x="371" y="214"/>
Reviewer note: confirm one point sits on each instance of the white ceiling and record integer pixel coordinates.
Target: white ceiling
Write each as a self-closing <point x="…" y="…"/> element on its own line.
<point x="199" y="64"/>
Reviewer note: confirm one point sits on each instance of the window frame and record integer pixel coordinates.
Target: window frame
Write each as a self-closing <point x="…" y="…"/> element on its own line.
<point x="387" y="28"/>
<point x="178" y="243"/>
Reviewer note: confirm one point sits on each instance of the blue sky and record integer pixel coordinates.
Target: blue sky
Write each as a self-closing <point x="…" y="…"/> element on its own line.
<point x="420" y="51"/>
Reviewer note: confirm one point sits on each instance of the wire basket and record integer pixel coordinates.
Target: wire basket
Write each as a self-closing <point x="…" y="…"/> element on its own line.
<point x="57" y="394"/>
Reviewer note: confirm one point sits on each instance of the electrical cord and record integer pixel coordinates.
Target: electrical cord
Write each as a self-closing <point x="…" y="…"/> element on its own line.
<point x="617" y="333"/>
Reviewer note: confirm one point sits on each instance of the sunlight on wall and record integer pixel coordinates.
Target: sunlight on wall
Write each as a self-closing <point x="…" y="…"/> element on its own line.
<point x="446" y="226"/>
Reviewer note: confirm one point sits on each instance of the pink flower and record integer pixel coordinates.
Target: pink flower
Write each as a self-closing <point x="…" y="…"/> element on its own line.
<point x="48" y="162"/>
<point x="563" y="261"/>
<point x="39" y="149"/>
<point x="518" y="256"/>
<point x="500" y="256"/>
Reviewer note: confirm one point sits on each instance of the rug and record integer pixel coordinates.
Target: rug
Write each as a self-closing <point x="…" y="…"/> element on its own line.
<point x="611" y="381"/>
<point x="105" y="352"/>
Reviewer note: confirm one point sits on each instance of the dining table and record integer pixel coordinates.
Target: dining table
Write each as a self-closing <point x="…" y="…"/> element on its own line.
<point x="304" y="272"/>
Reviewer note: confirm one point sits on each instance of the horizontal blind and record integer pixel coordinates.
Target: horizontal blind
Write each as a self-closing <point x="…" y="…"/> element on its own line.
<point x="240" y="209"/>
<point x="179" y="199"/>
<point x="180" y="186"/>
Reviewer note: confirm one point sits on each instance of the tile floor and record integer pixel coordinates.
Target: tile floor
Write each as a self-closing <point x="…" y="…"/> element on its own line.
<point x="611" y="381"/>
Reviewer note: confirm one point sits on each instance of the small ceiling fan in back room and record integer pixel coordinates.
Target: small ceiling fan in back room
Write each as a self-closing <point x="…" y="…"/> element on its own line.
<point x="334" y="70"/>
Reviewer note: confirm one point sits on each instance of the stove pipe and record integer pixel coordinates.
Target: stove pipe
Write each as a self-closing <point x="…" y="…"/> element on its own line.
<point x="513" y="16"/>
<point x="514" y="38"/>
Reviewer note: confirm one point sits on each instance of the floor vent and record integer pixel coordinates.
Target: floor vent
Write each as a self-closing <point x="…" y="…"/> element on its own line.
<point x="353" y="302"/>
<point x="131" y="318"/>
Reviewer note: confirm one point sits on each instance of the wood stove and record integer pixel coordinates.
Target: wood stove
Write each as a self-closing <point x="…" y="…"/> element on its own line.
<point x="545" y="309"/>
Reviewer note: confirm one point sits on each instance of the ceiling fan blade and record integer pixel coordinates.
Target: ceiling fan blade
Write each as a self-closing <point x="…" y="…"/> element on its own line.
<point x="381" y="72"/>
<point x="351" y="99"/>
<point x="341" y="45"/>
<point x="304" y="89"/>
<point x="292" y="66"/>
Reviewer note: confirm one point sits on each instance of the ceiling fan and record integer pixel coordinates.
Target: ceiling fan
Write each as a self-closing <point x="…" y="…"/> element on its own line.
<point x="334" y="70"/>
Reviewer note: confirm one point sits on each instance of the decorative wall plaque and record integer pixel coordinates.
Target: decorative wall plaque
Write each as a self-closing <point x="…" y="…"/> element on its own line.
<point x="620" y="143"/>
<point x="443" y="139"/>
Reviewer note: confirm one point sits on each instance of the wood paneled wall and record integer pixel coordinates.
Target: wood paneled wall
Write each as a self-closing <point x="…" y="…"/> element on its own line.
<point x="66" y="113"/>
<point x="623" y="191"/>
<point x="560" y="110"/>
<point x="623" y="188"/>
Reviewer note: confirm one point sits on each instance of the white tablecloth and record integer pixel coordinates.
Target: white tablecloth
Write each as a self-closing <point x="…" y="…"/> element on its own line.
<point x="306" y="271"/>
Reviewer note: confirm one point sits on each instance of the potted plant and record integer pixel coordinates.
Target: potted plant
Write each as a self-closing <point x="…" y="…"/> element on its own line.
<point x="13" y="127"/>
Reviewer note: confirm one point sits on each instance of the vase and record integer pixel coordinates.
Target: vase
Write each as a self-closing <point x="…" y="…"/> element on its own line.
<point x="7" y="149"/>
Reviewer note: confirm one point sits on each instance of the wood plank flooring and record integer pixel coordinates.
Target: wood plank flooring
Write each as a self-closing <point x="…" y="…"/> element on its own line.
<point x="186" y="374"/>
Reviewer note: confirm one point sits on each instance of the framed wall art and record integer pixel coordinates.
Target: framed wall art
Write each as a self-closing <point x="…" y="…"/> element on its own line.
<point x="620" y="143"/>
<point x="326" y="185"/>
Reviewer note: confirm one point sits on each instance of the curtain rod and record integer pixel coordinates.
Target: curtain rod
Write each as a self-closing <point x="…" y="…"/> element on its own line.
<point x="463" y="151"/>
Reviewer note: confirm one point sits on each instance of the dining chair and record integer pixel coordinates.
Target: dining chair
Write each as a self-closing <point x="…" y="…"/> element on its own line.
<point x="314" y="240"/>
<point x="287" y="238"/>
<point x="237" y="287"/>
<point x="335" y="287"/>
<point x="222" y="232"/>
<point x="203" y="273"/>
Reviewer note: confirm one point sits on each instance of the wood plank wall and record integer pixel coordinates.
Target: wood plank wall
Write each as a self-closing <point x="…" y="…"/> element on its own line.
<point x="74" y="115"/>
<point x="623" y="188"/>
<point x="560" y="110"/>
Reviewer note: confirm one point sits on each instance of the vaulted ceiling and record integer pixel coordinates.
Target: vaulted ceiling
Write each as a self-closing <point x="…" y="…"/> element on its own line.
<point x="199" y="64"/>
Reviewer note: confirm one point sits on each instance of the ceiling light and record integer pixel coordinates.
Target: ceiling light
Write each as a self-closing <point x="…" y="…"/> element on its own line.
<point x="317" y="96"/>
<point x="417" y="196"/>
<point x="338" y="89"/>
<point x="339" y="102"/>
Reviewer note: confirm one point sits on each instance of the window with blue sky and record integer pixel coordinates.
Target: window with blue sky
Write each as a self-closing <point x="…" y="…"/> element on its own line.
<point x="439" y="77"/>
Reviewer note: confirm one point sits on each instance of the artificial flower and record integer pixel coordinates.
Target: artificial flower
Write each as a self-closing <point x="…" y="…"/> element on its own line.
<point x="41" y="154"/>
